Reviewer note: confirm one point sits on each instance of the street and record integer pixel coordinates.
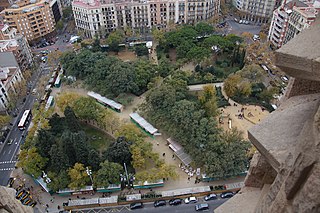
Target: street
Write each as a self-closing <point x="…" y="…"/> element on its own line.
<point x="8" y="153"/>
<point x="148" y="207"/>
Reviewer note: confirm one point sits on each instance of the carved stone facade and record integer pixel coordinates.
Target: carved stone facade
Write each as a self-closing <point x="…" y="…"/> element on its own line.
<point x="287" y="168"/>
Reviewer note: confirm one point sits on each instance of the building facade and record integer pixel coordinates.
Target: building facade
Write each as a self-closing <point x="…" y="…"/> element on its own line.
<point x="34" y="20"/>
<point x="98" y="17"/>
<point x="259" y="11"/>
<point x="290" y="19"/>
<point x="11" y="41"/>
<point x="10" y="75"/>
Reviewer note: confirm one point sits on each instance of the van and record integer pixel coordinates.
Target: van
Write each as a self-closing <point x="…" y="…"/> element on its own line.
<point x="34" y="91"/>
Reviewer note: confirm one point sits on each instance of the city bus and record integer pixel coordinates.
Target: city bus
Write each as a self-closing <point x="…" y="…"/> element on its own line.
<point x="24" y="119"/>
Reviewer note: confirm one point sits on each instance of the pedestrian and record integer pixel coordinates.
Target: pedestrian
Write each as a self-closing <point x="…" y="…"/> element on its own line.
<point x="188" y="178"/>
<point x="139" y="192"/>
<point x="47" y="205"/>
<point x="164" y="154"/>
<point x="157" y="143"/>
<point x="172" y="156"/>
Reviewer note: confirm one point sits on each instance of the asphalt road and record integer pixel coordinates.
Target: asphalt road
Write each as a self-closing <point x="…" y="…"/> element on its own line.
<point x="238" y="29"/>
<point x="183" y="208"/>
<point x="8" y="153"/>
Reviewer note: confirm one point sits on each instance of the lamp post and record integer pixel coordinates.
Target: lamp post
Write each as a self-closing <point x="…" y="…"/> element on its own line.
<point x="89" y="172"/>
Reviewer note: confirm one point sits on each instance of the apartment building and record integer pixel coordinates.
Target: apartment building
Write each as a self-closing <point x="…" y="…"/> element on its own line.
<point x="11" y="41"/>
<point x="259" y="11"/>
<point x="10" y="75"/>
<point x="98" y="17"/>
<point x="290" y="19"/>
<point x="5" y="4"/>
<point x="35" y="19"/>
<point x="301" y="18"/>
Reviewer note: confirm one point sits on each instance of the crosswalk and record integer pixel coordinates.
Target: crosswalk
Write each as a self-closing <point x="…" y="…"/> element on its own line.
<point x="8" y="162"/>
<point x="7" y="169"/>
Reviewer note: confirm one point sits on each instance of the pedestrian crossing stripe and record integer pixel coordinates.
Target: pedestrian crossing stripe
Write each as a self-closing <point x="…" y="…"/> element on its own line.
<point x="6" y="169"/>
<point x="4" y="162"/>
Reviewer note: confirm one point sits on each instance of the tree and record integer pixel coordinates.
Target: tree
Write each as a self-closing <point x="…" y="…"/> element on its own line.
<point x="44" y="142"/>
<point x="197" y="54"/>
<point x="59" y="25"/>
<point x="184" y="48"/>
<point x="228" y="156"/>
<point x="57" y="124"/>
<point x="121" y="79"/>
<point x="67" y="12"/>
<point x="109" y="173"/>
<point x="78" y="176"/>
<point x="203" y="28"/>
<point x="87" y="109"/>
<point x="230" y="84"/>
<point x="53" y="57"/>
<point x="94" y="160"/>
<point x="31" y="161"/>
<point x="141" y="50"/>
<point x="58" y="160"/>
<point x="58" y="180"/>
<point x="71" y="120"/>
<point x="114" y="39"/>
<point x="268" y="94"/>
<point x="67" y="99"/>
<point x="253" y="73"/>
<point x="130" y="132"/>
<point x="208" y="100"/>
<point x="119" y="152"/>
<point x="158" y="35"/>
<point x="4" y="120"/>
<point x="245" y="89"/>
<point x="81" y="147"/>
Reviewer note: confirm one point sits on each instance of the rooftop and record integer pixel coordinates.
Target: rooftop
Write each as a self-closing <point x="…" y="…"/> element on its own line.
<point x="7" y="59"/>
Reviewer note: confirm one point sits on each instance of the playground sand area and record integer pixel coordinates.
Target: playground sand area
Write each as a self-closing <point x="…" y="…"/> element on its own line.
<point x="242" y="117"/>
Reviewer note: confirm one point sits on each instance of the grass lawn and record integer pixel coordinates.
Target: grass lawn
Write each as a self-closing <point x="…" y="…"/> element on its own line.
<point x="97" y="139"/>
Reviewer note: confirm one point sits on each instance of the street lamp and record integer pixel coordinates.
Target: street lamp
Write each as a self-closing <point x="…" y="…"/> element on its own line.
<point x="89" y="172"/>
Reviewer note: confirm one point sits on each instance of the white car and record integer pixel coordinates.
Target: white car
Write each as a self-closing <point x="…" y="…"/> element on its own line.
<point x="191" y="200"/>
<point x="240" y="22"/>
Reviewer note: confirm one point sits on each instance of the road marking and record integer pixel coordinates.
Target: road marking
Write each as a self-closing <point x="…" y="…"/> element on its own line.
<point x="5" y="162"/>
<point x="4" y="152"/>
<point x="14" y="153"/>
<point x="7" y="169"/>
<point x="9" y="152"/>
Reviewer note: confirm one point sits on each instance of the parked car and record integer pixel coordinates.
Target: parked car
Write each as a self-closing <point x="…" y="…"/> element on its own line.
<point x="284" y="78"/>
<point x="158" y="203"/>
<point x="210" y="197"/>
<point x="256" y="37"/>
<point x="246" y="22"/>
<point x="138" y="205"/>
<point x="175" y="202"/>
<point x="202" y="207"/>
<point x="226" y="195"/>
<point x="191" y="200"/>
<point x="240" y="22"/>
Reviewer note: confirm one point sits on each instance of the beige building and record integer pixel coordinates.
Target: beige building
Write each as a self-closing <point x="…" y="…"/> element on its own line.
<point x="10" y="75"/>
<point x="11" y="41"/>
<point x="34" y="20"/>
<point x="103" y="16"/>
<point x="259" y="11"/>
<point x="290" y="19"/>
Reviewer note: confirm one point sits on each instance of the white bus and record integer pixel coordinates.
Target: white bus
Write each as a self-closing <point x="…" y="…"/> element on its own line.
<point x="24" y="119"/>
